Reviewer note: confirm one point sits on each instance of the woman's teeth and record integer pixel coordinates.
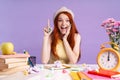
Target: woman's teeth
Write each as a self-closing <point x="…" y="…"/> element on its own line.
<point x="63" y="27"/>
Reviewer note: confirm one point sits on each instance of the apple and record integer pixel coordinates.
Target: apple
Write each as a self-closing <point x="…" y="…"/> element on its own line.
<point x="7" y="48"/>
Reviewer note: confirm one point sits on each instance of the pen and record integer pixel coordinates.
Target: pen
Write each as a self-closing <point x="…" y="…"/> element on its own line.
<point x="29" y="60"/>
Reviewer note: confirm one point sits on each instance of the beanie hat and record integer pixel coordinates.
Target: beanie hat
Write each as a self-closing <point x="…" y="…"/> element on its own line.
<point x="63" y="9"/>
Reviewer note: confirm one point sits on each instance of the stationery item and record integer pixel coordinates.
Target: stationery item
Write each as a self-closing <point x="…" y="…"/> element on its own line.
<point x="97" y="77"/>
<point x="12" y="60"/>
<point x="32" y="60"/>
<point x="64" y="71"/>
<point x="74" y="75"/>
<point x="83" y="76"/>
<point x="64" y="66"/>
<point x="105" y="73"/>
<point x="58" y="64"/>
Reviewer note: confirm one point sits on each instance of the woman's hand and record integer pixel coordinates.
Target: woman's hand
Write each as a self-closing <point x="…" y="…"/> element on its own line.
<point x="67" y="33"/>
<point x="48" y="29"/>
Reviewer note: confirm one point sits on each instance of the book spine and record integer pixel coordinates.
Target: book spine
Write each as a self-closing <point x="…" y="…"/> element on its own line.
<point x="12" y="60"/>
<point x="11" y="65"/>
<point x="14" y="56"/>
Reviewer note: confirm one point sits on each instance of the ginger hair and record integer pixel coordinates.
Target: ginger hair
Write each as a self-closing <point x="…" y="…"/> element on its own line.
<point x="55" y="36"/>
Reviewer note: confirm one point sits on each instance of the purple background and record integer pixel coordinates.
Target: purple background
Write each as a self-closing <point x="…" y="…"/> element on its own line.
<point x="22" y="22"/>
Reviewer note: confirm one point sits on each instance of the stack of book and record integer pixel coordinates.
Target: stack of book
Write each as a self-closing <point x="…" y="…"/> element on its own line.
<point x="13" y="63"/>
<point x="105" y="73"/>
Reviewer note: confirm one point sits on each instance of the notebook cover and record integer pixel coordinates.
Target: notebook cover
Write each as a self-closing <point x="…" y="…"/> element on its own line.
<point x="105" y="73"/>
<point x="82" y="75"/>
<point x="74" y="76"/>
<point x="97" y="77"/>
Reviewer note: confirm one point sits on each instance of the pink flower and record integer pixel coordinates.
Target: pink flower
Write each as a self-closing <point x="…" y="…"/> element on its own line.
<point x="111" y="20"/>
<point x="115" y="30"/>
<point x="118" y="23"/>
<point x="112" y="29"/>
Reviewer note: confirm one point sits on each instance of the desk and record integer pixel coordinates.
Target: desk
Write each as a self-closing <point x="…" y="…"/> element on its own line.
<point x="46" y="74"/>
<point x="52" y="74"/>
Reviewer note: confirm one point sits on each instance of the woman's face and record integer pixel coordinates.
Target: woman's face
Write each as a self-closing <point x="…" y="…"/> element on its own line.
<point x="63" y="23"/>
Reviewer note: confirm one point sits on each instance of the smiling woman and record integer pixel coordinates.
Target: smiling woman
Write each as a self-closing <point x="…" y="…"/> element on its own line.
<point x="63" y="42"/>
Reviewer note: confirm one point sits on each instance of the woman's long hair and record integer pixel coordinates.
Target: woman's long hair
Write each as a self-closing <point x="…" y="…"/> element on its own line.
<point x="55" y="36"/>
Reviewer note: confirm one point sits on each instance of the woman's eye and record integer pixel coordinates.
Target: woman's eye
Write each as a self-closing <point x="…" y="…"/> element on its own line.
<point x="59" y="20"/>
<point x="67" y="20"/>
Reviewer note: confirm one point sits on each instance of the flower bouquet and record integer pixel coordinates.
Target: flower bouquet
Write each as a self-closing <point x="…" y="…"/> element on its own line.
<point x="113" y="30"/>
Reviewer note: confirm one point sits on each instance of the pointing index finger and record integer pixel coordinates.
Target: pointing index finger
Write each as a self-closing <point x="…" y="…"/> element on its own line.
<point x="48" y="24"/>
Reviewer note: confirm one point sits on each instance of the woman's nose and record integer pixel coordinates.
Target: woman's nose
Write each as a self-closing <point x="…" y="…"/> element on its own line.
<point x="64" y="23"/>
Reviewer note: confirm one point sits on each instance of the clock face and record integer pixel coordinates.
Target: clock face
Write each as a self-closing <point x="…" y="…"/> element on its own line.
<point x="108" y="60"/>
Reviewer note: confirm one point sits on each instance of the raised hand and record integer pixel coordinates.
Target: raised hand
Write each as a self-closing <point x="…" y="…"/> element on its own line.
<point x="48" y="29"/>
<point x="67" y="33"/>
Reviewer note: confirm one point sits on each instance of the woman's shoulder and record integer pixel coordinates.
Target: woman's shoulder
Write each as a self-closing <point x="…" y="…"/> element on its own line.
<point x="77" y="36"/>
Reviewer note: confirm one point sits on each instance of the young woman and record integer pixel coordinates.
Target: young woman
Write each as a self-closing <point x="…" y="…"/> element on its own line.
<point x="63" y="42"/>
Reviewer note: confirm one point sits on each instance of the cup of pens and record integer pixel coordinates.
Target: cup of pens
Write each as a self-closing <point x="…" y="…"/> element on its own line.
<point x="32" y="61"/>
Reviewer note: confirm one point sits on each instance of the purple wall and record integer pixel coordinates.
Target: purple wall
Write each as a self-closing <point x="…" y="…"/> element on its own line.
<point x="22" y="22"/>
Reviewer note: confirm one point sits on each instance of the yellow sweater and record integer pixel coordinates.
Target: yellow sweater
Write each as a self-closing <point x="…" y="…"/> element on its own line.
<point x="61" y="54"/>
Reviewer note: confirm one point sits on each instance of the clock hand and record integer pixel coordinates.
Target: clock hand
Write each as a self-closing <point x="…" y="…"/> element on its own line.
<point x="108" y="58"/>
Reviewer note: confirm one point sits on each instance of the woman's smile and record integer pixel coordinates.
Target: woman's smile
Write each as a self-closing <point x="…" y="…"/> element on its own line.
<point x="63" y="30"/>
